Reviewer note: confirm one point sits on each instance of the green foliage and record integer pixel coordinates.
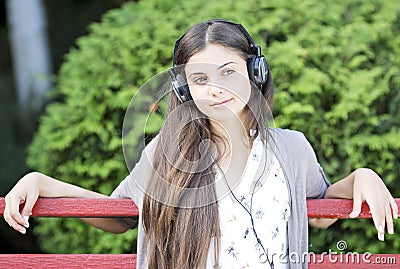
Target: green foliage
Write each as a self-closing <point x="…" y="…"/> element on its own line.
<point x="336" y="70"/>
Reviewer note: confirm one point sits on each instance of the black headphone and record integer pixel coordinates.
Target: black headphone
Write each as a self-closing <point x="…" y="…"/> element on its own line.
<point x="257" y="66"/>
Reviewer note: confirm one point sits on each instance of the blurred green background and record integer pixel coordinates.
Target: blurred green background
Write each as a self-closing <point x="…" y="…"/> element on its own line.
<point x="335" y="65"/>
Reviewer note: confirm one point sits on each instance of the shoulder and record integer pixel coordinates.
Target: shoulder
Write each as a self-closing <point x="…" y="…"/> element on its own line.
<point x="287" y="137"/>
<point x="151" y="146"/>
<point x="291" y="146"/>
<point x="286" y="132"/>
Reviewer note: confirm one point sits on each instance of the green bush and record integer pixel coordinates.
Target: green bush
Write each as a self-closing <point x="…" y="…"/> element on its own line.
<point x="337" y="75"/>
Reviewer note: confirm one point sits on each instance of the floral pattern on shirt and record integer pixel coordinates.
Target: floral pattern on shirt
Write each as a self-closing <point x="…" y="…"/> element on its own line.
<point x="270" y="210"/>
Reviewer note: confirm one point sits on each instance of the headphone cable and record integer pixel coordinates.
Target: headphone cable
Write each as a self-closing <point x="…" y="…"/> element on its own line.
<point x="249" y="211"/>
<point x="271" y="263"/>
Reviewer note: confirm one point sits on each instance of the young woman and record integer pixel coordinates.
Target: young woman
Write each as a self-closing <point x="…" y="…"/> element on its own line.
<point x="225" y="190"/>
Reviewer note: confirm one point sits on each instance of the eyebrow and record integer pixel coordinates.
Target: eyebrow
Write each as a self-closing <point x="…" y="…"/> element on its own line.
<point x="218" y="68"/>
<point x="225" y="64"/>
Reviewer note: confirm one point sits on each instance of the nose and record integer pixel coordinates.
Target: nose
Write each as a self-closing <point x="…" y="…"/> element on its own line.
<point x="215" y="90"/>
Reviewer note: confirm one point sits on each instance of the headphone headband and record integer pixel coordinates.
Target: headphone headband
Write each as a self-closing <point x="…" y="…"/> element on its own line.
<point x="243" y="30"/>
<point x="256" y="49"/>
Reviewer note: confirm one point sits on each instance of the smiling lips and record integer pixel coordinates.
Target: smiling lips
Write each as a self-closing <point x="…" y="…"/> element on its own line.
<point x="221" y="103"/>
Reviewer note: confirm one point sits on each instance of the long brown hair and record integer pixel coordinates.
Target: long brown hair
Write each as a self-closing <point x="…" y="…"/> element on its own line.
<point x="180" y="209"/>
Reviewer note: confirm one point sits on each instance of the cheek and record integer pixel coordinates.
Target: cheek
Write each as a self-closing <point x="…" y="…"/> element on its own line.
<point x="200" y="98"/>
<point x="238" y="85"/>
<point x="245" y="92"/>
<point x="242" y="91"/>
<point x="203" y="107"/>
<point x="196" y="93"/>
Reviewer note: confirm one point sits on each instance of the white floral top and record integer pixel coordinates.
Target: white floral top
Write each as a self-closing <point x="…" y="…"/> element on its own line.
<point x="270" y="211"/>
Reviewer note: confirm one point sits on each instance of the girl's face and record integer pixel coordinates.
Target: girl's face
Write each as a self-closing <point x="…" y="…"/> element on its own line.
<point x="218" y="82"/>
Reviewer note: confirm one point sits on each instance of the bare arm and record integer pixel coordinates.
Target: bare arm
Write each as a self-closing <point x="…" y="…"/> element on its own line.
<point x="34" y="185"/>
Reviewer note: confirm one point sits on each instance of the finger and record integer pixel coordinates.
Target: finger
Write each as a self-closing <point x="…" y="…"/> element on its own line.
<point x="395" y="209"/>
<point x="381" y="232"/>
<point x="11" y="221"/>
<point x="379" y="222"/>
<point x="357" y="201"/>
<point x="27" y="210"/>
<point x="389" y="220"/>
<point x="12" y="206"/>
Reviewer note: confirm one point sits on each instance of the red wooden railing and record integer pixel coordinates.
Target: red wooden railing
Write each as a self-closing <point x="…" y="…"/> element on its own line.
<point x="72" y="207"/>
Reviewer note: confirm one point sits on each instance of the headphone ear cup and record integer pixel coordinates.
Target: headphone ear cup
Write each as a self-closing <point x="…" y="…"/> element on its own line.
<point x="258" y="70"/>
<point x="262" y="70"/>
<point x="180" y="87"/>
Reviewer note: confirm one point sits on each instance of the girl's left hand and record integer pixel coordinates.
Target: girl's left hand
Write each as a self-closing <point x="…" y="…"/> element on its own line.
<point x="369" y="187"/>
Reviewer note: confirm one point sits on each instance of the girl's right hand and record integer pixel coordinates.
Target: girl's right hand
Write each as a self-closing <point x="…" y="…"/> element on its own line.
<point x="26" y="192"/>
<point x="30" y="187"/>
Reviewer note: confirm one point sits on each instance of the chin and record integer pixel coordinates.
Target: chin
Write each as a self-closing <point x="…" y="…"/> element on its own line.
<point x="223" y="117"/>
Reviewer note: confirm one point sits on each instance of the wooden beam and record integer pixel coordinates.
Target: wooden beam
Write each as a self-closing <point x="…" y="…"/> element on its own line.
<point x="336" y="208"/>
<point x="78" y="207"/>
<point x="72" y="261"/>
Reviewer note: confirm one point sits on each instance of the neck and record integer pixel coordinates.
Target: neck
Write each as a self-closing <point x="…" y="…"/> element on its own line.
<point x="233" y="130"/>
<point x="235" y="152"/>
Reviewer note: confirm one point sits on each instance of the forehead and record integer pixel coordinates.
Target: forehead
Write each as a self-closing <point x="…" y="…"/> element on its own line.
<point x="216" y="54"/>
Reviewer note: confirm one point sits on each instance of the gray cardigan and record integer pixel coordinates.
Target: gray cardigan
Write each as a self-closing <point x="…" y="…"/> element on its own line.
<point x="303" y="173"/>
